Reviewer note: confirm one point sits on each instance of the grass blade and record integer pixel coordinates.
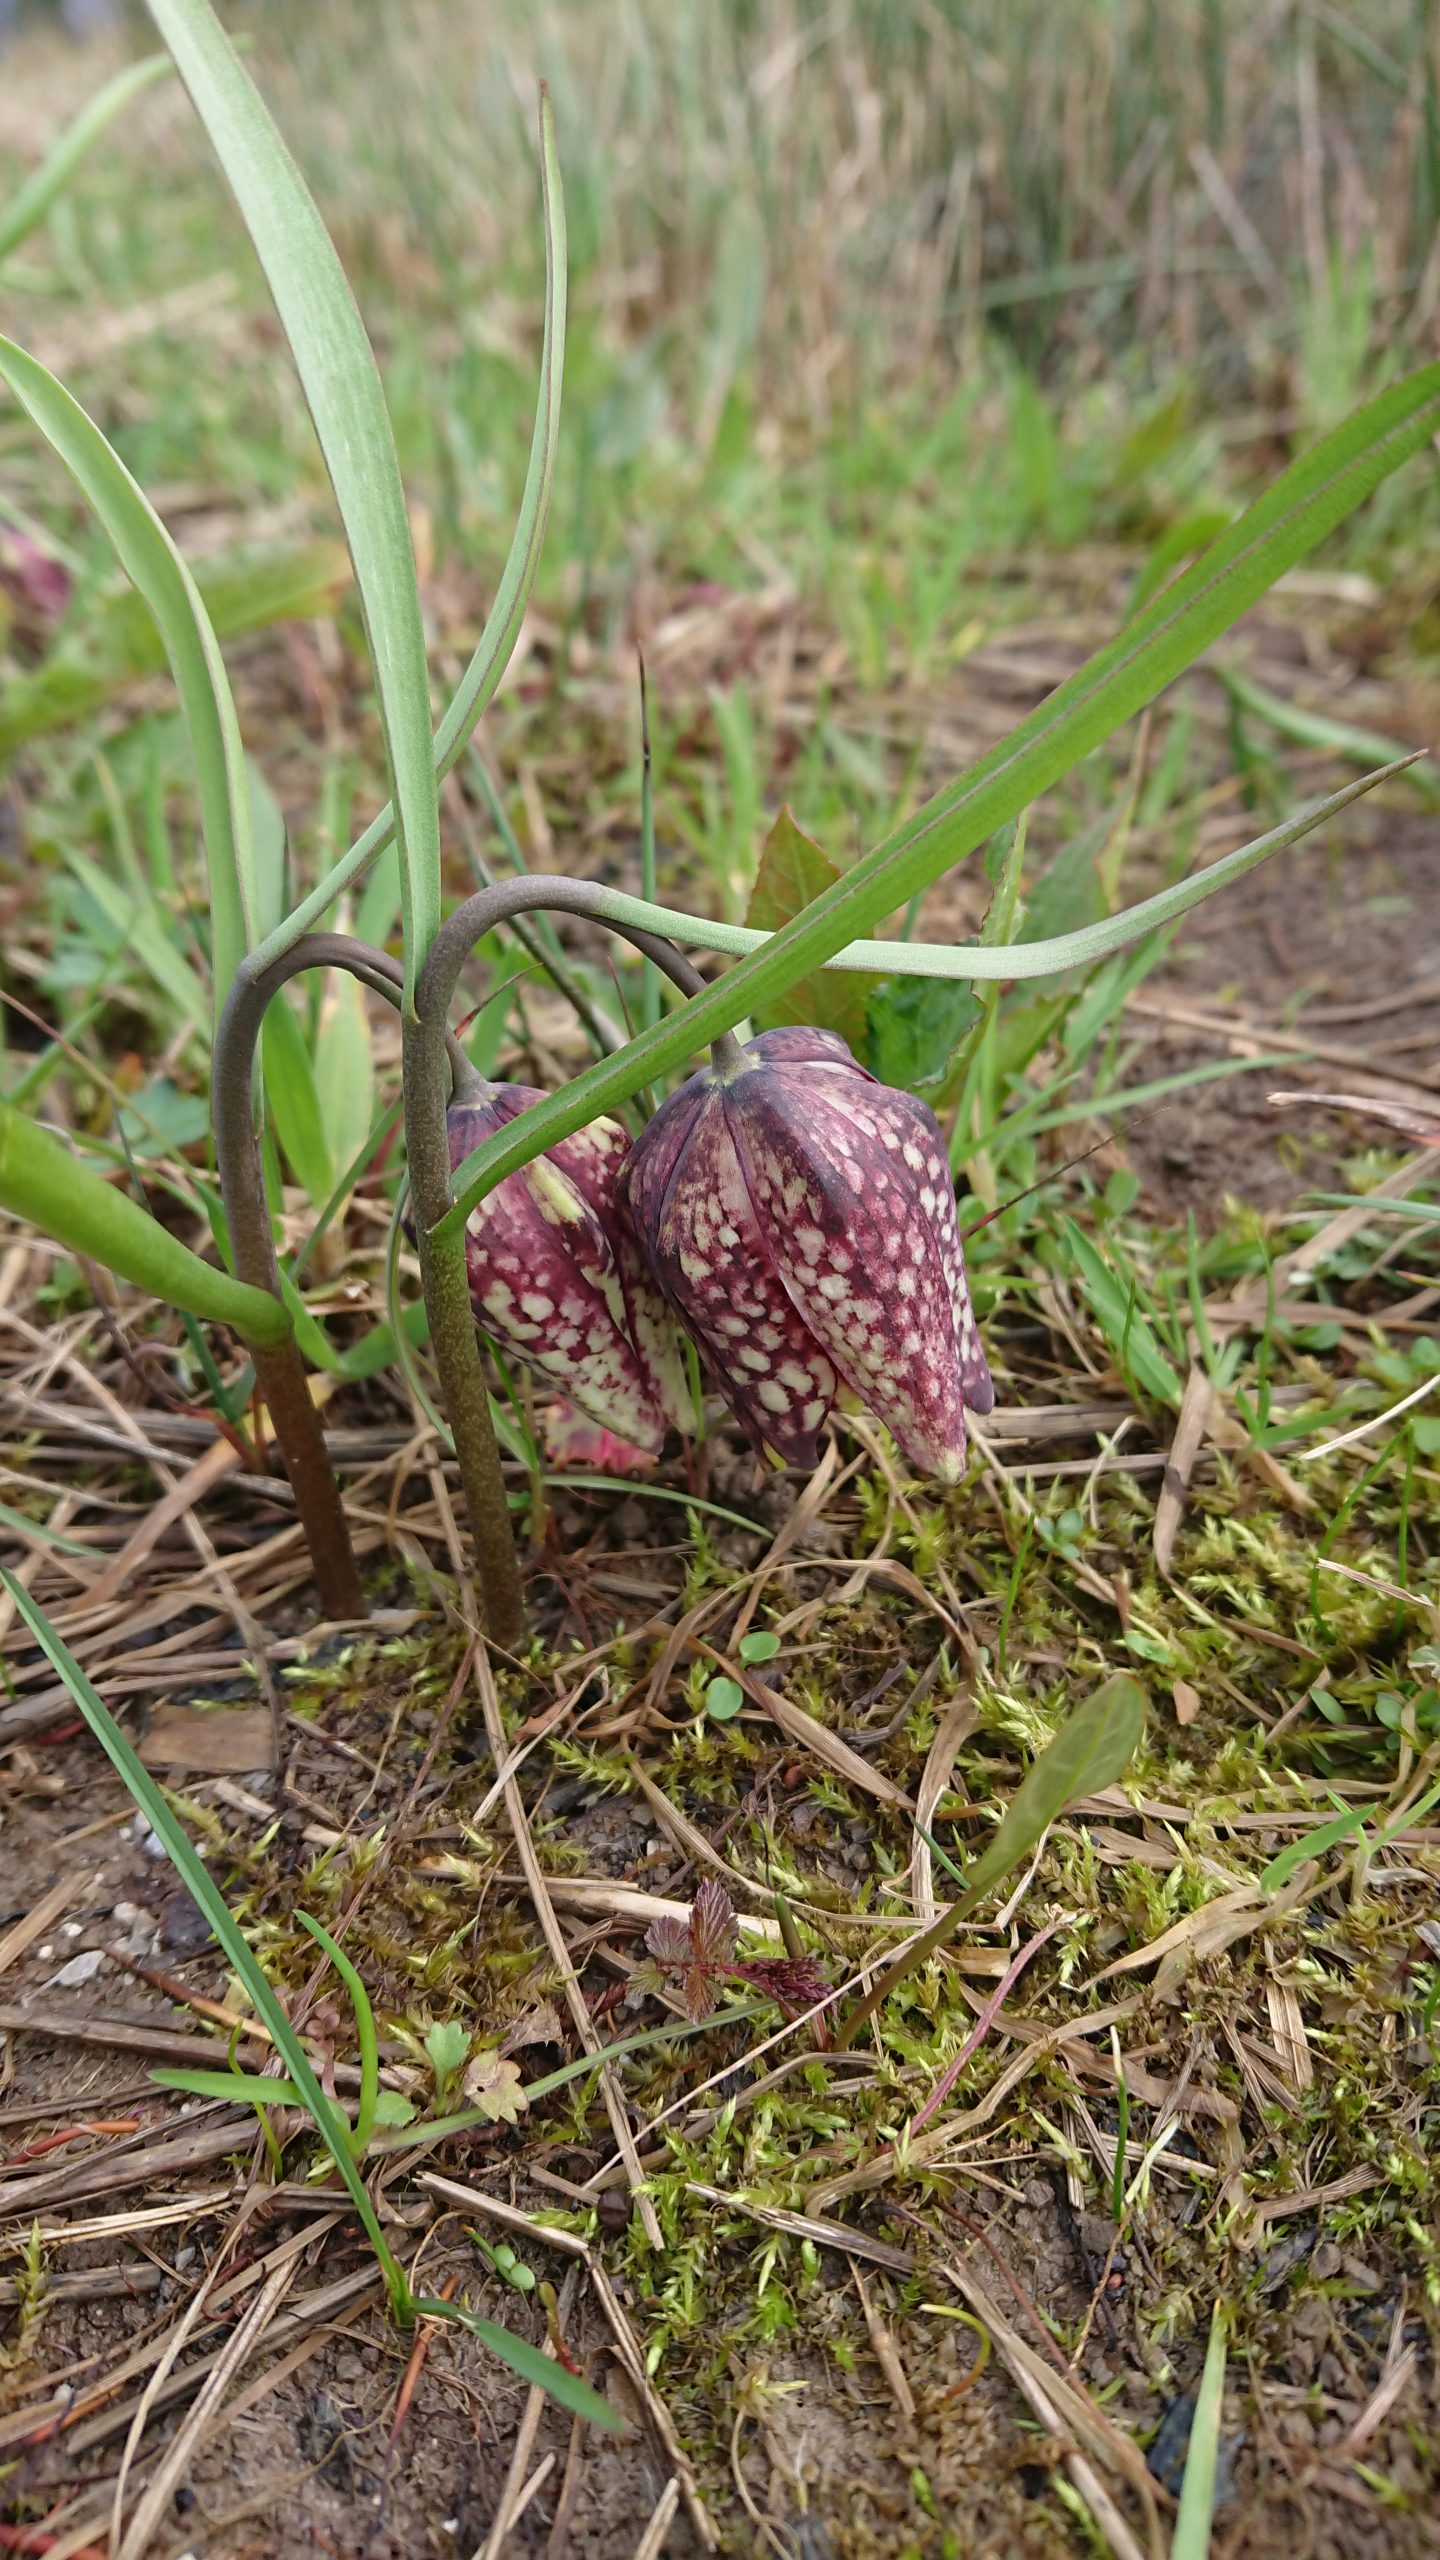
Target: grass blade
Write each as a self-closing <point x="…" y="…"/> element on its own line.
<point x="342" y="386"/>
<point x="495" y="647"/>
<point x="154" y="565"/>
<point x="1317" y="729"/>
<point x="545" y="2372"/>
<point x="1090" y="1750"/>
<point x="1121" y="1320"/>
<point x="26" y="211"/>
<point x="329" y="2123"/>
<point x="245" y="2087"/>
<point x="365" y="2036"/>
<point x="1191" y="2538"/>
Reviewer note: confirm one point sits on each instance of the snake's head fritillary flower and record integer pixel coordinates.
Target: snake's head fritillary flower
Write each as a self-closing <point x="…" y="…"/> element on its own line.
<point x="557" y="1278"/>
<point x="801" y="1220"/>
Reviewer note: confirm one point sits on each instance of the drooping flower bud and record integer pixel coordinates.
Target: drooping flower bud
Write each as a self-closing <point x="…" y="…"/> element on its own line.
<point x="800" y="1218"/>
<point x="558" y="1280"/>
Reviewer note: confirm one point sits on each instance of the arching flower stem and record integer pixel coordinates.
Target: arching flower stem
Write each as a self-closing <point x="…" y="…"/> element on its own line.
<point x="435" y="1067"/>
<point x="442" y="1259"/>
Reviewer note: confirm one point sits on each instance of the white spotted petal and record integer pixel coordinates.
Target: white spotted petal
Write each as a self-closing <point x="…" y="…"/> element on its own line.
<point x="557" y="1279"/>
<point x="801" y="1219"/>
<point x="698" y="1225"/>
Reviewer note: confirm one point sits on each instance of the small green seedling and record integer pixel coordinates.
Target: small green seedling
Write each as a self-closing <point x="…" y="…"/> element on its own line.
<point x="724" y="1698"/>
<point x="448" y="2045"/>
<point x="503" y="2261"/>
<point x="760" y="1645"/>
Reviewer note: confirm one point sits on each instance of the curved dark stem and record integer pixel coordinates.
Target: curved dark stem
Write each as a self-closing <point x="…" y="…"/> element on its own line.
<point x="453" y="1337"/>
<point x="280" y="1374"/>
<point x="530" y="893"/>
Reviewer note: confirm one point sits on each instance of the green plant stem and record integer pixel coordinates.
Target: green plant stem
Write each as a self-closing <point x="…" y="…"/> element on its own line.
<point x="610" y="1085"/>
<point x="453" y="1339"/>
<point x="441" y="1247"/>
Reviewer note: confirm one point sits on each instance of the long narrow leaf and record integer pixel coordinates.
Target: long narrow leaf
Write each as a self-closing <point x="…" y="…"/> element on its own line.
<point x="196" y="1877"/>
<point x="27" y="210"/>
<point x="545" y="2373"/>
<point x="365" y="2036"/>
<point x="1093" y="1746"/>
<point x="985" y="961"/>
<point x="1305" y="504"/>
<point x="151" y="560"/>
<point x="43" y="1182"/>
<point x="342" y="386"/>
<point x="496" y="644"/>
<point x="245" y="2088"/>
<point x="1196" y="2515"/>
<point x="607" y="1086"/>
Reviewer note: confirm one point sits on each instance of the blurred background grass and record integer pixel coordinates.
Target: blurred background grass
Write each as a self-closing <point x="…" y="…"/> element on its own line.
<point x="861" y="291"/>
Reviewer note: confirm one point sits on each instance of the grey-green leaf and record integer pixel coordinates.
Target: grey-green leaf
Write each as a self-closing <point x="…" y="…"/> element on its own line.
<point x="495" y="646"/>
<point x="342" y="386"/>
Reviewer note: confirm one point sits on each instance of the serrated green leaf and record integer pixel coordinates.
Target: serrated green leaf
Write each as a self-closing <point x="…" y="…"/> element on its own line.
<point x="394" y="2110"/>
<point x="447" y="2043"/>
<point x="914" y="1028"/>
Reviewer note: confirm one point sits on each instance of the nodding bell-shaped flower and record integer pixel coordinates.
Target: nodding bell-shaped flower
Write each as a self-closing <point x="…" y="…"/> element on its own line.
<point x="558" y="1280"/>
<point x="800" y="1218"/>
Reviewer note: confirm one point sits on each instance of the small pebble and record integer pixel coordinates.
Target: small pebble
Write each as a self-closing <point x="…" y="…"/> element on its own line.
<point x="80" y="1969"/>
